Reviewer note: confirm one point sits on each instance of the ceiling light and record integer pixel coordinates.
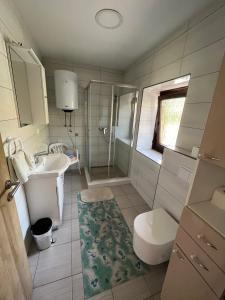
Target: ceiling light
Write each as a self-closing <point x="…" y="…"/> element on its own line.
<point x="108" y="18"/>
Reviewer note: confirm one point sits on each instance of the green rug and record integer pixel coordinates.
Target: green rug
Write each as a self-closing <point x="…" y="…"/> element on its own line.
<point x="107" y="254"/>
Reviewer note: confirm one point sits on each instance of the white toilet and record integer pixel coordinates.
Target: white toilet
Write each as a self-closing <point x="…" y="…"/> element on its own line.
<point x="154" y="234"/>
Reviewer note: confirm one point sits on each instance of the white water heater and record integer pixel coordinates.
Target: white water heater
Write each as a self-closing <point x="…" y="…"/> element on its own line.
<point x="66" y="90"/>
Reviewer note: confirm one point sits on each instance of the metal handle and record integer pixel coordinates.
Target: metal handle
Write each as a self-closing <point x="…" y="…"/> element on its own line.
<point x="177" y="252"/>
<point x="202" y="238"/>
<point x="8" y="185"/>
<point x="12" y="193"/>
<point x="196" y="260"/>
<point x="208" y="156"/>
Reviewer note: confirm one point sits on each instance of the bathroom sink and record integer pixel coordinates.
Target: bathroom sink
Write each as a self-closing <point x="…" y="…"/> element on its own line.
<point x="51" y="164"/>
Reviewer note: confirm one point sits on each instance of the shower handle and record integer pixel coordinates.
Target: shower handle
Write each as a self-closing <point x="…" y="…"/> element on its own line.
<point x="104" y="129"/>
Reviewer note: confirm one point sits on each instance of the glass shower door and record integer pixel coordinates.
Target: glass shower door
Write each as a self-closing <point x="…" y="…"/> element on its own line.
<point x="124" y="110"/>
<point x="99" y="118"/>
<point x="110" y="115"/>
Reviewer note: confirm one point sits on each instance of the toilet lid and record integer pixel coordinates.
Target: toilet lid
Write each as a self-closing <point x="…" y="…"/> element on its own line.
<point x="156" y="227"/>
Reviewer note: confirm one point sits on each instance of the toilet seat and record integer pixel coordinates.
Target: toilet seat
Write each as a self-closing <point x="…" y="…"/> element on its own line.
<point x="154" y="234"/>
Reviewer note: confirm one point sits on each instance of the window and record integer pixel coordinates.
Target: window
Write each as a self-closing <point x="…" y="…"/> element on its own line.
<point x="170" y="108"/>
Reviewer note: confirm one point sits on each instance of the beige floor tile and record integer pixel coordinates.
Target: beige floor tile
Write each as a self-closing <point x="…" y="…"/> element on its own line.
<point x="63" y="234"/>
<point x="67" y="187"/>
<point x="78" y="289"/>
<point x="129" y="215"/>
<point x="76" y="187"/>
<point x="33" y="256"/>
<point x="155" y="279"/>
<point x="67" y="212"/>
<point x="142" y="208"/>
<point x="74" y="197"/>
<point x="75" y="230"/>
<point x="128" y="189"/>
<point x="117" y="191"/>
<point x="67" y="197"/>
<point x="136" y="199"/>
<point x="154" y="297"/>
<point x="107" y="295"/>
<point x="74" y="210"/>
<point x="76" y="258"/>
<point x="123" y="202"/>
<point x="53" y="264"/>
<point x="59" y="290"/>
<point x="135" y="289"/>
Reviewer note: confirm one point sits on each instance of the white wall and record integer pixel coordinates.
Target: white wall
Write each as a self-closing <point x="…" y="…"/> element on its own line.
<point x="196" y="48"/>
<point x="175" y="179"/>
<point x="11" y="28"/>
<point x="101" y="102"/>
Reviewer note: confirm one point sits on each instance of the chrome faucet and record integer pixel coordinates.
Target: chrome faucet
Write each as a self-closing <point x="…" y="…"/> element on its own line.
<point x="37" y="156"/>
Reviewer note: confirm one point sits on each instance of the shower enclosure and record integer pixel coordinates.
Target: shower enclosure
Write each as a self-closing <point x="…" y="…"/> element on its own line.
<point x="110" y="110"/>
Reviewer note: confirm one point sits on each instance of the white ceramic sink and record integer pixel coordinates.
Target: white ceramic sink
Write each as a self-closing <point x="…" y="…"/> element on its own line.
<point x="52" y="164"/>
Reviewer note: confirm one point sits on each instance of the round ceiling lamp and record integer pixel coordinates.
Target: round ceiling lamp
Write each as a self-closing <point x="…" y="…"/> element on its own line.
<point x="108" y="18"/>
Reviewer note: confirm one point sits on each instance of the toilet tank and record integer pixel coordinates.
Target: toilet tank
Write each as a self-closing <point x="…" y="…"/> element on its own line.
<point x="66" y="90"/>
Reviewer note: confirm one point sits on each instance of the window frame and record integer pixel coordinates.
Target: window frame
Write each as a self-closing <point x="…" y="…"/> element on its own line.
<point x="165" y="95"/>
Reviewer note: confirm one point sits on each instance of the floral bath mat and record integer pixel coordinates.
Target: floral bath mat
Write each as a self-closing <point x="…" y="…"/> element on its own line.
<point x="107" y="253"/>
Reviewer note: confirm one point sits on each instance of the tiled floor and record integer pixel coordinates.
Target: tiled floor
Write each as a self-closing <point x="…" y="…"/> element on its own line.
<point x="57" y="271"/>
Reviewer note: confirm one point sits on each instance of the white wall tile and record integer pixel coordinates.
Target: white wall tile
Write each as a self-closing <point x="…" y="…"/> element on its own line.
<point x="7" y="107"/>
<point x="195" y="115"/>
<point x="201" y="89"/>
<point x="204" y="61"/>
<point x="164" y="200"/>
<point x="5" y="80"/>
<point x="206" y="32"/>
<point x="189" y="137"/>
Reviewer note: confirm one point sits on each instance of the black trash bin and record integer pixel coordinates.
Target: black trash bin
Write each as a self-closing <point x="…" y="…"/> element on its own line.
<point x="42" y="233"/>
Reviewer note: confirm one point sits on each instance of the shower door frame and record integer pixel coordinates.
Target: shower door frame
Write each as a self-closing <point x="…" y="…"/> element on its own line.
<point x="113" y="85"/>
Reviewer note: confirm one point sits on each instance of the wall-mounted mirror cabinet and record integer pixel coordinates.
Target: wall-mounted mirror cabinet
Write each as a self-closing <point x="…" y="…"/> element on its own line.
<point x="28" y="79"/>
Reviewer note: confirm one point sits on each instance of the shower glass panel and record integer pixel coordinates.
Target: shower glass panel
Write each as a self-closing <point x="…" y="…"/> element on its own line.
<point x="110" y="114"/>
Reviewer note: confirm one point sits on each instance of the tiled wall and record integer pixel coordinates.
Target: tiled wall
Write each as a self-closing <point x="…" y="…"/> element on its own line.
<point x="101" y="99"/>
<point x="33" y="136"/>
<point x="196" y="48"/>
<point x="122" y="155"/>
<point x="174" y="181"/>
<point x="144" y="176"/>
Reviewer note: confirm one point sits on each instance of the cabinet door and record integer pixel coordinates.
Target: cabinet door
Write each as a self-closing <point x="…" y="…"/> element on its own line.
<point x="43" y="77"/>
<point x="213" y="143"/>
<point x="183" y="282"/>
<point x="60" y="194"/>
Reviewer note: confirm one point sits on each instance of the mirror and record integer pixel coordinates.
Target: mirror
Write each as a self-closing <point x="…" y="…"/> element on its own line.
<point x="21" y="87"/>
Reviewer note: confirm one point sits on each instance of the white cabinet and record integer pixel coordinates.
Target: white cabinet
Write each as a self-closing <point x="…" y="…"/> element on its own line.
<point x="182" y="282"/>
<point x="212" y="146"/>
<point x="45" y="197"/>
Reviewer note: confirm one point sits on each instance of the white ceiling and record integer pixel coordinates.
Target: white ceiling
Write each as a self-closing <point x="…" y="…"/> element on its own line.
<point x="66" y="29"/>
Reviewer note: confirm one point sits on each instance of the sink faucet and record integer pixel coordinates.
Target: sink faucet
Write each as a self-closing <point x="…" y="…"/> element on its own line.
<point x="37" y="156"/>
